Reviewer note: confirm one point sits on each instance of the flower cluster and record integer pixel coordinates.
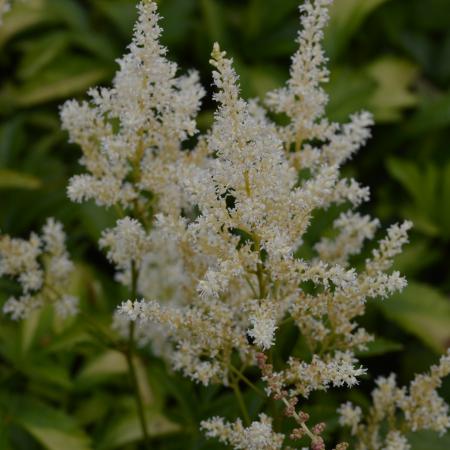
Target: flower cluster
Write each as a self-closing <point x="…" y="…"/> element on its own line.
<point x="277" y="389"/>
<point x="131" y="136"/>
<point x="258" y="436"/>
<point x="237" y="263"/>
<point x="420" y="405"/>
<point x="131" y="133"/>
<point x="254" y="212"/>
<point x="210" y="238"/>
<point x="42" y="267"/>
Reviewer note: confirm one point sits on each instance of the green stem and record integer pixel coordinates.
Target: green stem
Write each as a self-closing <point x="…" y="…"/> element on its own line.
<point x="131" y="368"/>
<point x="247" y="381"/>
<point x="240" y="399"/>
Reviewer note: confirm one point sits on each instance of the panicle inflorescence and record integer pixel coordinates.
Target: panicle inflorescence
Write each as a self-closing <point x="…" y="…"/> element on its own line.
<point x="413" y="408"/>
<point x="209" y="240"/>
<point x="132" y="138"/>
<point x="258" y="436"/>
<point x="131" y="133"/>
<point x="243" y="277"/>
<point x="42" y="267"/>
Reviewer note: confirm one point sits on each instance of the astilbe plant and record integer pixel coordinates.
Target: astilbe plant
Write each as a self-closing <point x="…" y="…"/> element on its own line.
<point x="208" y="239"/>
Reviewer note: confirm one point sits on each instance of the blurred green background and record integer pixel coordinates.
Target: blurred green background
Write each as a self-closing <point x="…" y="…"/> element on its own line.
<point x="58" y="388"/>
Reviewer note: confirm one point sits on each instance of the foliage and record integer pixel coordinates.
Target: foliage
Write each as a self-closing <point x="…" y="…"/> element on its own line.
<point x="60" y="387"/>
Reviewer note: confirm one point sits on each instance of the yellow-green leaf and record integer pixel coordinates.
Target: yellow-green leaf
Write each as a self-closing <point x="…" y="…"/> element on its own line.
<point x="18" y="180"/>
<point x="128" y="429"/>
<point x="24" y="15"/>
<point x="109" y="363"/>
<point x="393" y="77"/>
<point x="422" y="311"/>
<point x="52" y="428"/>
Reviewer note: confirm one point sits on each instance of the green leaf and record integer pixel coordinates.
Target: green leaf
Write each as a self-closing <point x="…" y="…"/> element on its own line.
<point x="41" y="51"/>
<point x="95" y="407"/>
<point x="178" y="21"/>
<point x="95" y="219"/>
<point x="12" y="179"/>
<point x="264" y="15"/>
<point x="64" y="77"/>
<point x="420" y="181"/>
<point x="350" y="90"/>
<point x="24" y="15"/>
<point x="256" y="81"/>
<point x="394" y="77"/>
<point x="29" y="328"/>
<point x="121" y="13"/>
<point x="432" y="115"/>
<point x="70" y="12"/>
<point x="380" y="346"/>
<point x="127" y="429"/>
<point x="69" y="339"/>
<point x="44" y="371"/>
<point x="416" y="256"/>
<point x="428" y="440"/>
<point x="109" y="363"/>
<point x="52" y="428"/>
<point x="422" y="311"/>
<point x="346" y="16"/>
<point x="428" y="187"/>
<point x="96" y="44"/>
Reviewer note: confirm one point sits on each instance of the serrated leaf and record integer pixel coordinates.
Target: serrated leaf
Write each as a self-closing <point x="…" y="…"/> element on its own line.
<point x="18" y="180"/>
<point x="423" y="311"/>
